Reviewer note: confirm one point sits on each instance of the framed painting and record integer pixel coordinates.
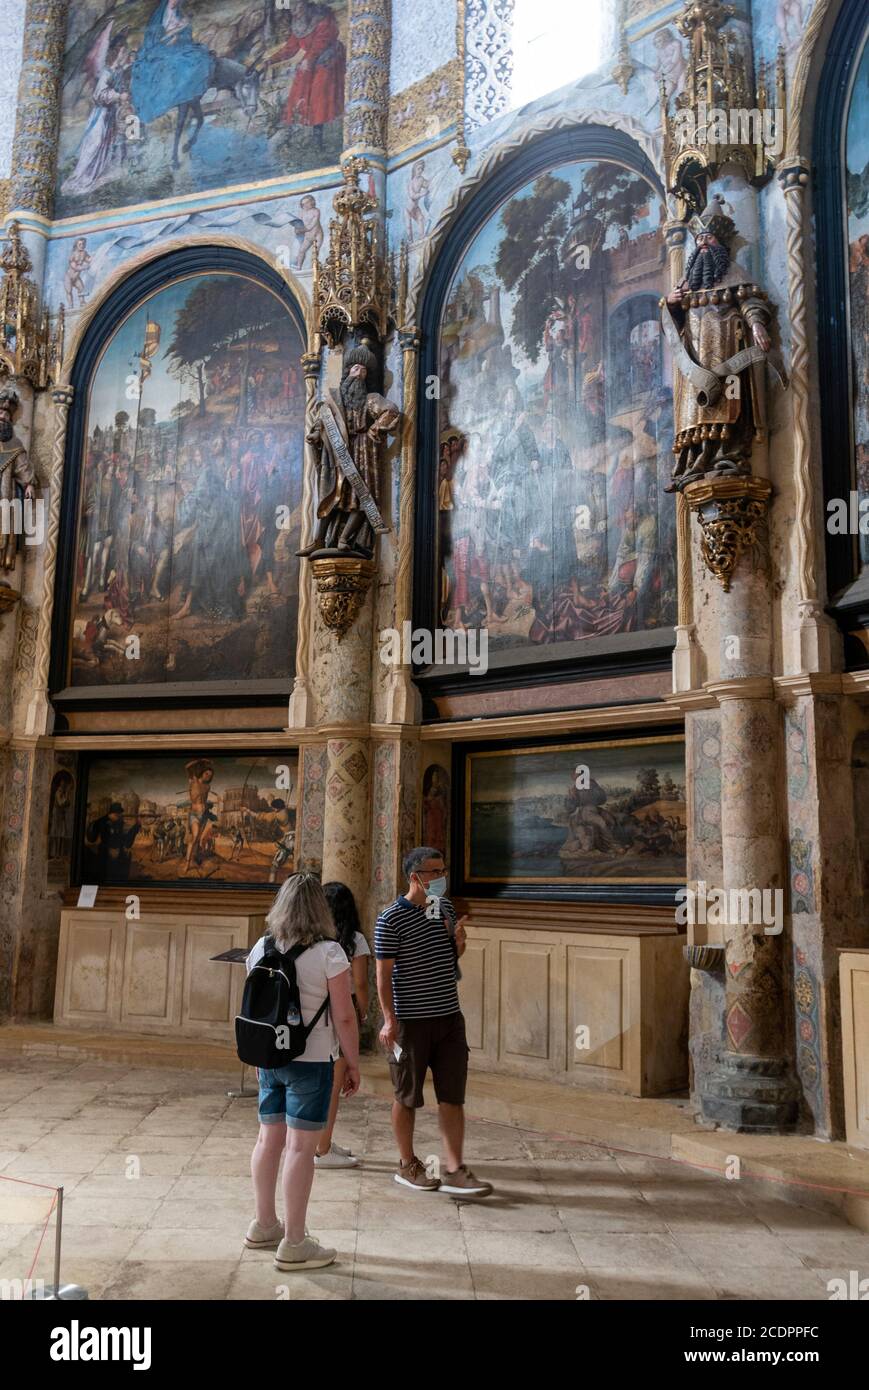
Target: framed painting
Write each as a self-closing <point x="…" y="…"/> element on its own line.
<point x="602" y="818"/>
<point x="183" y="495"/>
<point x="548" y="447"/>
<point x="187" y="820"/>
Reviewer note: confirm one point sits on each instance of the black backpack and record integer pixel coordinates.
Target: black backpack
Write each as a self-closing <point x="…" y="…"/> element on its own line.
<point x="269" y="1031"/>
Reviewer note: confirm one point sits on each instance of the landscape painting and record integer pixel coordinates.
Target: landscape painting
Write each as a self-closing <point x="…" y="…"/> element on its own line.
<point x="189" y="819"/>
<point x="190" y="492"/>
<point x="594" y="812"/>
<point x="555" y="423"/>
<point x="168" y="97"/>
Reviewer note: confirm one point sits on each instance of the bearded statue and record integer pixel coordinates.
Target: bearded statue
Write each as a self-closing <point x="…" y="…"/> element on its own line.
<point x="717" y="326"/>
<point x="15" y="467"/>
<point x="348" y="427"/>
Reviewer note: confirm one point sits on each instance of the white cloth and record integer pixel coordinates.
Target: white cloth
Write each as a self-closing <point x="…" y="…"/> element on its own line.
<point x="315" y="967"/>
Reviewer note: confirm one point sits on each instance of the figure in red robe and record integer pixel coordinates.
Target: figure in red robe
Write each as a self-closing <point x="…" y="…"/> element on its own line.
<point x="316" y="94"/>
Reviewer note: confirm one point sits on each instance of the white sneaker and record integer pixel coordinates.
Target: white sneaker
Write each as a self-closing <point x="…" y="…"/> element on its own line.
<point x="336" y="1158"/>
<point x="306" y="1255"/>
<point x="264" y="1238"/>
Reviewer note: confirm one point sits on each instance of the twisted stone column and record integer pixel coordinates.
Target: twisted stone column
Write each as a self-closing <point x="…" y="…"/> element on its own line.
<point x="815" y="631"/>
<point x="299" y="712"/>
<point x="34" y="150"/>
<point x="40" y="716"/>
<point x="366" y="106"/>
<point x="404" y="702"/>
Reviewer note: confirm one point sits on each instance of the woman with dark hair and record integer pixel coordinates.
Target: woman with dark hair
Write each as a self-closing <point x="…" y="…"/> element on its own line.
<point x="342" y="905"/>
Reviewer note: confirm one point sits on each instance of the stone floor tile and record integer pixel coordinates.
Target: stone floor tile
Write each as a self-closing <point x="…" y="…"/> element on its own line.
<point x="175" y="1279"/>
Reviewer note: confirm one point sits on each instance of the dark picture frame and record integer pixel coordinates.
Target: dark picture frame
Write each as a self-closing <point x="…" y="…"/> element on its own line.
<point x="643" y="891"/>
<point x="641" y="650"/>
<point x="204" y="881"/>
<point x="141" y="285"/>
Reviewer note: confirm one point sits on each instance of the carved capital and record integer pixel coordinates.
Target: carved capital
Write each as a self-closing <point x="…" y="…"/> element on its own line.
<point x="342" y="582"/>
<point x="729" y="510"/>
<point x="311" y="364"/>
<point x="409" y="339"/>
<point x="62" y="396"/>
<point x="793" y="175"/>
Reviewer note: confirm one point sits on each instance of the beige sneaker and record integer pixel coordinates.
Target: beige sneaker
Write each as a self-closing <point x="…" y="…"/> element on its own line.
<point x="262" y="1237"/>
<point x="414" y="1176"/>
<point x="306" y="1255"/>
<point x="462" y="1183"/>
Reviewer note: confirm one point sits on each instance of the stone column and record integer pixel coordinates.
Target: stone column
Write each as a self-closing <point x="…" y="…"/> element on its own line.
<point x="404" y="704"/>
<point x="686" y="655"/>
<point x="366" y="106"/>
<point x="40" y="716"/>
<point x="750" y="1086"/>
<point x="34" y="150"/>
<point x="299" y="711"/>
<point x="812" y="645"/>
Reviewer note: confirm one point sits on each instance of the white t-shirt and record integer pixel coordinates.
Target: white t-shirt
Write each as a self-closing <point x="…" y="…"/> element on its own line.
<point x="315" y="967"/>
<point x="361" y="947"/>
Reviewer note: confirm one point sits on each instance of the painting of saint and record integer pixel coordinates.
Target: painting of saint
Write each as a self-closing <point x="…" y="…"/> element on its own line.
<point x="435" y="807"/>
<point x="190" y="492"/>
<point x="189" y="820"/>
<point x="581" y="813"/>
<point x="551" y="369"/>
<point x="167" y="97"/>
<point x="60" y="814"/>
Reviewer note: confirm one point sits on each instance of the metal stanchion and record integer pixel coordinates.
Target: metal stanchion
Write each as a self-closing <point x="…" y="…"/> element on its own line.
<point x="57" y="1291"/>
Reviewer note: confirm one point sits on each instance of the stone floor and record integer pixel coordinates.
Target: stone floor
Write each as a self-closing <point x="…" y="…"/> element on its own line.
<point x="568" y="1220"/>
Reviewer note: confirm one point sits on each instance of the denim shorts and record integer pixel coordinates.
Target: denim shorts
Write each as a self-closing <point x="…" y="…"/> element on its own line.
<point x="298" y="1093"/>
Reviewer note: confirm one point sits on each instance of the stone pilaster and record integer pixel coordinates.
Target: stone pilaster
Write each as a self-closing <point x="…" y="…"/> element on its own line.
<point x="346" y="816"/>
<point x="34" y="150"/>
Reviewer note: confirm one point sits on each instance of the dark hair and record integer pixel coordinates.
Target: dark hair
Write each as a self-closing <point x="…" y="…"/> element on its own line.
<point x="417" y="856"/>
<point x="342" y="906"/>
<point x="116" y="806"/>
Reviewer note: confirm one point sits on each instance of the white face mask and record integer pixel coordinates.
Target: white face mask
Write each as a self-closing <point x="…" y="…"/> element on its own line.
<point x="437" y="887"/>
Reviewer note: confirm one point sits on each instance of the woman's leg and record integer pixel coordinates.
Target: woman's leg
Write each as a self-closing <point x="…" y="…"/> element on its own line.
<point x="298" y="1177"/>
<point x="264" y="1163"/>
<point x="325" y="1143"/>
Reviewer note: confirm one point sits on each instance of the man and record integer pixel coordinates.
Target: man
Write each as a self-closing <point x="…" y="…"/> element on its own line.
<point x="109" y="842"/>
<point x="200" y="823"/>
<point x="15" y="469"/>
<point x="417" y="944"/>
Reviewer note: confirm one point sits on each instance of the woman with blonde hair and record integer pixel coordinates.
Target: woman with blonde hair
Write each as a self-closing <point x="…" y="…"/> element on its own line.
<point x="297" y="1096"/>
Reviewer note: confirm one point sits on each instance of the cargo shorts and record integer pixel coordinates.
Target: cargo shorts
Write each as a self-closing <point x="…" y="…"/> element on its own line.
<point x="439" y="1044"/>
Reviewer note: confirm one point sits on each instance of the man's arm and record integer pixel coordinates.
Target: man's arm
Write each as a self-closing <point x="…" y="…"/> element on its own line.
<point x="389" y="1030"/>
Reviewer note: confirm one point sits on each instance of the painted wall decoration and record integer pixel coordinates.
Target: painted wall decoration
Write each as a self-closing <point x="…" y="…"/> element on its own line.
<point x="857" y="210"/>
<point x="435" y="807"/>
<point x="189" y="502"/>
<point x="188" y="819"/>
<point x="555" y="423"/>
<point x="584" y="813"/>
<point x="167" y="97"/>
<point x="61" y="814"/>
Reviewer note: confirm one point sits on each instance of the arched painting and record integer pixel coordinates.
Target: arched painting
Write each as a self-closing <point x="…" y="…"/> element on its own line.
<point x="555" y="426"/>
<point x="189" y="499"/>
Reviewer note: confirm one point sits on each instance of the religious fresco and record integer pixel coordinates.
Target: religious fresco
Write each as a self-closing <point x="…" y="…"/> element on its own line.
<point x="189" y="503"/>
<point x="436" y="807"/>
<point x="583" y="813"/>
<point x="168" y="97"/>
<point x="555" y="423"/>
<point x="189" y="819"/>
<point x="857" y="208"/>
<point x="61" y="812"/>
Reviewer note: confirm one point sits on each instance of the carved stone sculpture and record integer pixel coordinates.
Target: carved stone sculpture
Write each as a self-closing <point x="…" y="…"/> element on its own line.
<point x="347" y="428"/>
<point x="716" y="324"/>
<point x="15" y="467"/>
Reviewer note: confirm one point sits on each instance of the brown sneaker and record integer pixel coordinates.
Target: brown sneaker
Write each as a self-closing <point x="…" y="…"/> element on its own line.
<point x="462" y="1183"/>
<point x="414" y="1176"/>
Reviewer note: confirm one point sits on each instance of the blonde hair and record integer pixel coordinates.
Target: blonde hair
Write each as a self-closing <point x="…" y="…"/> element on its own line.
<point x="300" y="914"/>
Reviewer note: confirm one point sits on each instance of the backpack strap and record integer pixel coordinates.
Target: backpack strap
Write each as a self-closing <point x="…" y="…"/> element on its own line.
<point x="294" y="956"/>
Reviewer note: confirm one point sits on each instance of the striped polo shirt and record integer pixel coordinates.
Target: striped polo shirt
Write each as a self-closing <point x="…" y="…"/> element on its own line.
<point x="425" y="973"/>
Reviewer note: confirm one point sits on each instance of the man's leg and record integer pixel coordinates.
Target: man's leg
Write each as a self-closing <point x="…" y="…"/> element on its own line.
<point x="403" y="1117"/>
<point x="451" y="1119"/>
